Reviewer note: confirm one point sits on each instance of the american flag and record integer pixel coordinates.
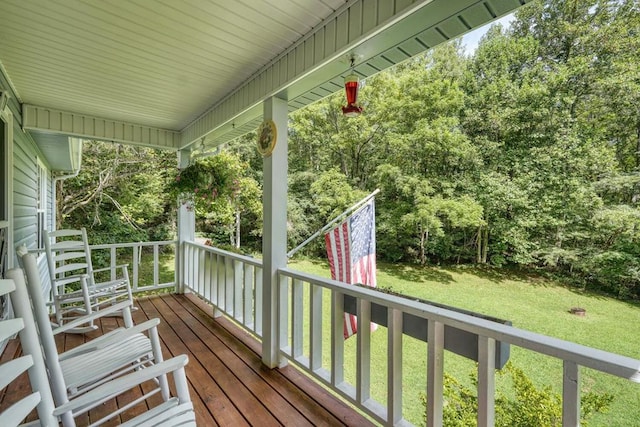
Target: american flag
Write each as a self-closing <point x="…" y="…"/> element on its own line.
<point x="351" y="249"/>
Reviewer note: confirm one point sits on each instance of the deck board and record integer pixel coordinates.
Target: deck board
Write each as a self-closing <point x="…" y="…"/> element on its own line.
<point x="229" y="385"/>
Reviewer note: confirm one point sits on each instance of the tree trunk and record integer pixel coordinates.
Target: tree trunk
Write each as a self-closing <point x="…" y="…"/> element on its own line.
<point x="485" y="244"/>
<point x="479" y="245"/>
<point x="237" y="242"/>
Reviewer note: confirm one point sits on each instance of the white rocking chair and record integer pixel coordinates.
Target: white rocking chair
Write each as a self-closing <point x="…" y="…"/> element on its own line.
<point x="75" y="289"/>
<point x="176" y="411"/>
<point x="98" y="361"/>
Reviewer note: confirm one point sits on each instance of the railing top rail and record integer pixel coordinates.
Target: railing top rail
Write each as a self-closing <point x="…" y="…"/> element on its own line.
<point x="132" y="244"/>
<point x="611" y="363"/>
<point x="256" y="262"/>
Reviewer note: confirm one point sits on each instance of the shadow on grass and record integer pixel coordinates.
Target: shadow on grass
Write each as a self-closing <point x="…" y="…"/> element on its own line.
<point x="501" y="274"/>
<point x="416" y="273"/>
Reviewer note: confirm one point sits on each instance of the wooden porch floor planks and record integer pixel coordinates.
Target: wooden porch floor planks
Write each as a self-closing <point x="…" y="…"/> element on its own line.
<point x="229" y="385"/>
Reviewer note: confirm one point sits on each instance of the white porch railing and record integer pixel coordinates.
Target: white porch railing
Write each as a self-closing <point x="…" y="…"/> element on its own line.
<point x="132" y="256"/>
<point x="232" y="283"/>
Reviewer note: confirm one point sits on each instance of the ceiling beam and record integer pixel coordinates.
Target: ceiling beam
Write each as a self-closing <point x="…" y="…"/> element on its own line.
<point x="51" y="121"/>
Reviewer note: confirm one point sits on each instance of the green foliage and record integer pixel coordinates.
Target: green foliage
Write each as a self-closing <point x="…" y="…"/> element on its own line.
<point x="525" y="405"/>
<point x="225" y="197"/>
<point x="523" y="153"/>
<point x="118" y="194"/>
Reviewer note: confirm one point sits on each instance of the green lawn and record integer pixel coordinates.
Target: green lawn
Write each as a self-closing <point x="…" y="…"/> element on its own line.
<point x="531" y="303"/>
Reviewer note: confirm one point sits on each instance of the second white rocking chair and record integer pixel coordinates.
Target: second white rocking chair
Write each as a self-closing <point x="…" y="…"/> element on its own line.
<point x="175" y="411"/>
<point x="75" y="288"/>
<point x="96" y="362"/>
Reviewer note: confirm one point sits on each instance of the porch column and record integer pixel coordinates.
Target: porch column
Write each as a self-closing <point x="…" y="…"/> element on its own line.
<point x="186" y="227"/>
<point x="274" y="239"/>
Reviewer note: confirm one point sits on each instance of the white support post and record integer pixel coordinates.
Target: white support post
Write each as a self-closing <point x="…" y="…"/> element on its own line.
<point x="435" y="373"/>
<point x="274" y="237"/>
<point x="186" y="226"/>
<point x="570" y="394"/>
<point x="486" y="381"/>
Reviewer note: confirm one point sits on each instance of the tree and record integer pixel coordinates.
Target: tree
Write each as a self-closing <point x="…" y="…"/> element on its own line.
<point x="118" y="194"/>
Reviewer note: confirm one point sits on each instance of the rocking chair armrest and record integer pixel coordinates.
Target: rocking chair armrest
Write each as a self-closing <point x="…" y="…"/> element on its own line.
<point x="73" y="277"/>
<point x="95" y="315"/>
<point x="112" y="337"/>
<point x="111" y="389"/>
<point x="115" y="267"/>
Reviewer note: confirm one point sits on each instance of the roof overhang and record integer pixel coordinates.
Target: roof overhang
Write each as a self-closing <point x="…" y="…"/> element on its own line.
<point x="63" y="153"/>
<point x="148" y="74"/>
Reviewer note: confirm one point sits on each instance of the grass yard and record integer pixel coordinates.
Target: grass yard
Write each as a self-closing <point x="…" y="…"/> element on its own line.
<point x="531" y="303"/>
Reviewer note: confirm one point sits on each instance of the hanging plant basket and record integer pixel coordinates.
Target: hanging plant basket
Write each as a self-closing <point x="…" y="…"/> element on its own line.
<point x="202" y="183"/>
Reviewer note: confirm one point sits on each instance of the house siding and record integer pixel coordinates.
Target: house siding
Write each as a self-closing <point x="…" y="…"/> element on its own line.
<point x="24" y="166"/>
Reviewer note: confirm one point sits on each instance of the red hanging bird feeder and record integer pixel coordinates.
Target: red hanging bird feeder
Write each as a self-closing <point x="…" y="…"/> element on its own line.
<point x="351" y="83"/>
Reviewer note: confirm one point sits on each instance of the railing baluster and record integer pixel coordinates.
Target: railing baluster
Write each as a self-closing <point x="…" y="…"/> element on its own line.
<point x="135" y="268"/>
<point x="258" y="301"/>
<point x="394" y="365"/>
<point x="213" y="291"/>
<point x="363" y="363"/>
<point x="228" y="286"/>
<point x="435" y="373"/>
<point x="238" y="281"/>
<point x="570" y="394"/>
<point x="337" y="338"/>
<point x="203" y="288"/>
<point x="156" y="265"/>
<point x="202" y="256"/>
<point x="113" y="262"/>
<point x="297" y="318"/>
<point x="247" y="299"/>
<point x="283" y="312"/>
<point x="486" y="381"/>
<point x="315" y="327"/>
<point x="220" y="266"/>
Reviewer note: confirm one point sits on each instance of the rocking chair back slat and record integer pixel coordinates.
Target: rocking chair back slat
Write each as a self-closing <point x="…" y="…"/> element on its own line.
<point x="76" y="292"/>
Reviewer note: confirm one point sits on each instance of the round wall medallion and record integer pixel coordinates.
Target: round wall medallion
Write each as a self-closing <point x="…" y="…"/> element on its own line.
<point x="267" y="135"/>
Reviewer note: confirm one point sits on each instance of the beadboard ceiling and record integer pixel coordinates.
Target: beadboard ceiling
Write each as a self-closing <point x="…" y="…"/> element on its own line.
<point x="176" y="65"/>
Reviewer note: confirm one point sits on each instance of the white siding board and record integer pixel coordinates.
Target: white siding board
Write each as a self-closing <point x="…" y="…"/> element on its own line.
<point x="309" y="52"/>
<point x="54" y="121"/>
<point x="432" y="37"/>
<point x="318" y="46"/>
<point x="395" y="55"/>
<point x="476" y="15"/>
<point x="342" y="30"/>
<point x="412" y="47"/>
<point x="330" y="38"/>
<point x="452" y="27"/>
<point x="355" y="22"/>
<point x="403" y="4"/>
<point x="369" y="15"/>
<point x="379" y="62"/>
<point x="386" y="9"/>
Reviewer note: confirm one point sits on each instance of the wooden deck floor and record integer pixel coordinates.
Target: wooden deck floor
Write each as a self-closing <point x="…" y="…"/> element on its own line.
<point x="229" y="385"/>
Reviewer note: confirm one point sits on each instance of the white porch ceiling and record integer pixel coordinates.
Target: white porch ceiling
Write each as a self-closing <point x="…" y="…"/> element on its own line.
<point x="190" y="69"/>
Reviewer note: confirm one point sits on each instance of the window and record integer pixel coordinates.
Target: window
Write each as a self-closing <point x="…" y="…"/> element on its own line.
<point x="41" y="203"/>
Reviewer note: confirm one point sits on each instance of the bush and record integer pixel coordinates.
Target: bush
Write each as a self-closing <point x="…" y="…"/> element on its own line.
<point x="523" y="406"/>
